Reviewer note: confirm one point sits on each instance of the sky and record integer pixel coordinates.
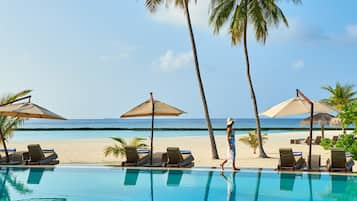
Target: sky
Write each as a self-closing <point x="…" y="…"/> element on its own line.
<point x="98" y="59"/>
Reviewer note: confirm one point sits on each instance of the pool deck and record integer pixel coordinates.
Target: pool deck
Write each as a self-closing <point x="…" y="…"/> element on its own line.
<point x="91" y="151"/>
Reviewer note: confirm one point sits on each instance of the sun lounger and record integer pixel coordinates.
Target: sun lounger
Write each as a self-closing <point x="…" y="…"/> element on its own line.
<point x="14" y="159"/>
<point x="135" y="158"/>
<point x="38" y="157"/>
<point x="178" y="159"/>
<point x="338" y="161"/>
<point x="297" y="140"/>
<point x="288" y="160"/>
<point x="317" y="140"/>
<point x="308" y="140"/>
<point x="9" y="150"/>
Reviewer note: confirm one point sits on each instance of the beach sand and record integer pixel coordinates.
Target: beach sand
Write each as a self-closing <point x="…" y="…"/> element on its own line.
<point x="90" y="151"/>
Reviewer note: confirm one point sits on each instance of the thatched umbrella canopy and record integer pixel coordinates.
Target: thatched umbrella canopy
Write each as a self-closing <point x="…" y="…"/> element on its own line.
<point x="320" y="119"/>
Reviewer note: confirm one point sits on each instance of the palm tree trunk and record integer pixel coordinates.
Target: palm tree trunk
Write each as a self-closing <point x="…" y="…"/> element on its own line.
<point x="262" y="153"/>
<point x="203" y="96"/>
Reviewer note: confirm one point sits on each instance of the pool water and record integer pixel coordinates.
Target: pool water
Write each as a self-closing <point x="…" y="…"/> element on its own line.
<point x="104" y="183"/>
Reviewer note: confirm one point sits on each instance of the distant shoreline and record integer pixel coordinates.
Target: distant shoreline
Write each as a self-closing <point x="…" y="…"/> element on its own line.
<point x="174" y="129"/>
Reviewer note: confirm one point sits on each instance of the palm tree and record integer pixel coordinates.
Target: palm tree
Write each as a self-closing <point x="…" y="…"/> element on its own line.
<point x="152" y="6"/>
<point x="252" y="140"/>
<point x="119" y="149"/>
<point x="340" y="95"/>
<point x="8" y="124"/>
<point x="261" y="14"/>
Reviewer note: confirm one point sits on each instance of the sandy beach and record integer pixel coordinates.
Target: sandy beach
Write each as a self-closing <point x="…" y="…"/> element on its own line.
<point x="90" y="151"/>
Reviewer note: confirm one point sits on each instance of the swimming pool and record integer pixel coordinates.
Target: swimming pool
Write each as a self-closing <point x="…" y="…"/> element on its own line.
<point x="104" y="183"/>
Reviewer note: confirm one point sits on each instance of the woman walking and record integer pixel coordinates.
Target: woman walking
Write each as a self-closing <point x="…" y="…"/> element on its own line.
<point x="231" y="151"/>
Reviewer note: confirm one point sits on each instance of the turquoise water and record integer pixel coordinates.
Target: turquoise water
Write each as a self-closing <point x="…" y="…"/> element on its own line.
<point x="136" y="123"/>
<point x="159" y="123"/>
<point x="106" y="184"/>
<point x="21" y="136"/>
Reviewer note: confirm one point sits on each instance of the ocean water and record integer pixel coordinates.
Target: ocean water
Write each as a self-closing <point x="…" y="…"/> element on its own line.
<point x="159" y="123"/>
<point x="43" y="135"/>
<point x="104" y="183"/>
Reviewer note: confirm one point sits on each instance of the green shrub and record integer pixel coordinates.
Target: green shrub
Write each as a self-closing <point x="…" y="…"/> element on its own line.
<point x="326" y="143"/>
<point x="345" y="141"/>
<point x="353" y="150"/>
<point x="349" y="143"/>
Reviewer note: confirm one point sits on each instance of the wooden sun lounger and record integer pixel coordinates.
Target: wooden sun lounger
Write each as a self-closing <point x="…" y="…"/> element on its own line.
<point x="338" y="161"/>
<point x="38" y="157"/>
<point x="178" y="159"/>
<point x="288" y="160"/>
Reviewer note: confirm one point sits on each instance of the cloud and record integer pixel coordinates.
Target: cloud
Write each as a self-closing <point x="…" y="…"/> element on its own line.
<point x="171" y="61"/>
<point x="298" y="65"/>
<point x="175" y="16"/>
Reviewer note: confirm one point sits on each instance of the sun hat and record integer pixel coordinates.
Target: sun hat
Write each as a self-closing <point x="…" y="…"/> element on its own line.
<point x="230" y="121"/>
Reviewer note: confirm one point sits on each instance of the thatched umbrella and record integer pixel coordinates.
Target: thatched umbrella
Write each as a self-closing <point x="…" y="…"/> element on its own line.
<point x="320" y="119"/>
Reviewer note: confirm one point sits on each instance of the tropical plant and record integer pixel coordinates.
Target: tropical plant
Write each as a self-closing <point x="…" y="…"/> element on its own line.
<point x="348" y="116"/>
<point x="340" y="95"/>
<point x="8" y="124"/>
<point x="326" y="143"/>
<point x="349" y="143"/>
<point x="119" y="149"/>
<point x="183" y="4"/>
<point x="261" y="14"/>
<point x="252" y="140"/>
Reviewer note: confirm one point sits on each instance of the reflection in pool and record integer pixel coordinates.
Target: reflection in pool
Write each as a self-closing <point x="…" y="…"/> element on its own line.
<point x="102" y="183"/>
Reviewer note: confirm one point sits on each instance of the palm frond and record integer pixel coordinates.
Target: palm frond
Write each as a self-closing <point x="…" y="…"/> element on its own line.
<point x="153" y="4"/>
<point x="256" y="16"/>
<point x="8" y="124"/>
<point x="220" y="14"/>
<point x="260" y="13"/>
<point x="238" y="23"/>
<point x="340" y="95"/>
<point x="119" y="149"/>
<point x="121" y="141"/>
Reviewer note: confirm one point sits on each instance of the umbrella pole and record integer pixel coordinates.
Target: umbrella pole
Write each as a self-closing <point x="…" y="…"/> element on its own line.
<point x="311" y="127"/>
<point x="322" y="131"/>
<point x="152" y="126"/>
<point x="299" y="93"/>
<point x="4" y="145"/>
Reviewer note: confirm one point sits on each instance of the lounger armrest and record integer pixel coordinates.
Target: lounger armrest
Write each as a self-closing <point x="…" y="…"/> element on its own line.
<point x="300" y="163"/>
<point x="143" y="159"/>
<point x="49" y="160"/>
<point x="349" y="164"/>
<point x="187" y="160"/>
